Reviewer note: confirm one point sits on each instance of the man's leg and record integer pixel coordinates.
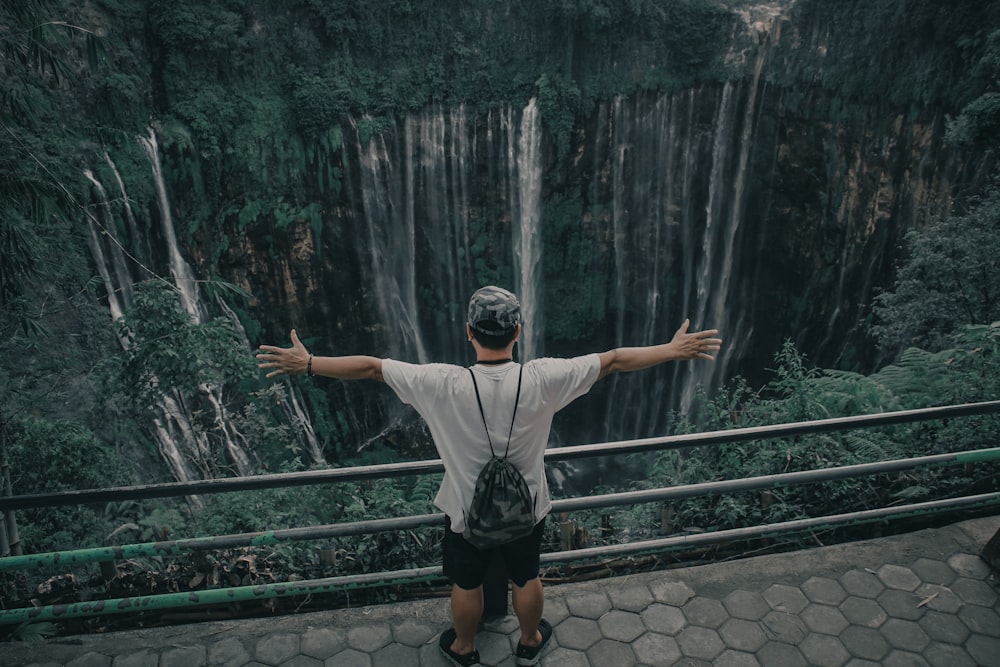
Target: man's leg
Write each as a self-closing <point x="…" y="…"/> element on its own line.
<point x="466" y="612"/>
<point x="528" y="602"/>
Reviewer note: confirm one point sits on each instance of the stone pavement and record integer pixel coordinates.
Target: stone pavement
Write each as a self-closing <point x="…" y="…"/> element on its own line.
<point x="925" y="598"/>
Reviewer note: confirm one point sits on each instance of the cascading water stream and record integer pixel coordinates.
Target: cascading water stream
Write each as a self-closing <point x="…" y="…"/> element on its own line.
<point x="526" y="211"/>
<point x="118" y="300"/>
<point x="179" y="268"/>
<point x="391" y="246"/>
<point x="138" y="248"/>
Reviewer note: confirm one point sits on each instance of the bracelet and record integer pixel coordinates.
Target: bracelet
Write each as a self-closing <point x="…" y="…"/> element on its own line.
<point x="309" y="366"/>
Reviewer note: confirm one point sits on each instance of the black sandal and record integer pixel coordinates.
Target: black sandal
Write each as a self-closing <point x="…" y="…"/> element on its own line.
<point x="467" y="660"/>
<point x="526" y="656"/>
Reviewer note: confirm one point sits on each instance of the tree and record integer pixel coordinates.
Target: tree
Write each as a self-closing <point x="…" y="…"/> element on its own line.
<point x="951" y="278"/>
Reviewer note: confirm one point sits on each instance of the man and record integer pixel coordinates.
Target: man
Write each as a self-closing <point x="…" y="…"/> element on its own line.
<point x="446" y="397"/>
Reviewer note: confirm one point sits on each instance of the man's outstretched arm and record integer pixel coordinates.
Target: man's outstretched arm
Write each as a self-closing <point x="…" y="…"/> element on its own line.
<point x="684" y="345"/>
<point x="296" y="360"/>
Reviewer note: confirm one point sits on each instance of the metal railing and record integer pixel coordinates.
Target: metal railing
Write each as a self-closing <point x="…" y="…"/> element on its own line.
<point x="496" y="587"/>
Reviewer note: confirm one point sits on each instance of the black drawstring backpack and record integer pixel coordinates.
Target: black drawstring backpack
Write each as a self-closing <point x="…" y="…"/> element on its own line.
<point x="502" y="509"/>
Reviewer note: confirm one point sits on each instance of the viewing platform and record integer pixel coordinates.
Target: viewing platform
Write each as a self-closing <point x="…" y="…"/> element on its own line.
<point x="922" y="598"/>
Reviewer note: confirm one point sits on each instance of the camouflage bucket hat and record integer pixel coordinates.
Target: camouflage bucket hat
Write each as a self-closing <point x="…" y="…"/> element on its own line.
<point x="494" y="310"/>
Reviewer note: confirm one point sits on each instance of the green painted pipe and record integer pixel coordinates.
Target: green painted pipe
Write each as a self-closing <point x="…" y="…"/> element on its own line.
<point x="336" y="584"/>
<point x="189" y="545"/>
<point x="189" y="599"/>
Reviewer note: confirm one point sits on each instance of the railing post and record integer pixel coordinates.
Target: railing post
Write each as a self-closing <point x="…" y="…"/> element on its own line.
<point x="991" y="552"/>
<point x="565" y="531"/>
<point x="495" y="589"/>
<point x="10" y="541"/>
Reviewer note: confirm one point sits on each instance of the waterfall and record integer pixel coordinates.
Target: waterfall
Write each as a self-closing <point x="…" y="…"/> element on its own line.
<point x="118" y="299"/>
<point x="179" y="268"/>
<point x="138" y="248"/>
<point x="438" y="155"/>
<point x="182" y="444"/>
<point x="171" y="428"/>
<point x="391" y="244"/>
<point x="427" y="223"/>
<point x="526" y="211"/>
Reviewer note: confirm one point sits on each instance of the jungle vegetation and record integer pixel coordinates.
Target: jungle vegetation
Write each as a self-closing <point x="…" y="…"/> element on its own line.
<point x="239" y="89"/>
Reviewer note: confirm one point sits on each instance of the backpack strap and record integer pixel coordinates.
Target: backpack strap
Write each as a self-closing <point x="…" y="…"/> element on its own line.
<point x="482" y="414"/>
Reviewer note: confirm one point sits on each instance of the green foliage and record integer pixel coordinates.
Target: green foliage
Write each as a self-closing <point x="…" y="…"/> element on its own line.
<point x="915" y="54"/>
<point x="558" y="102"/>
<point x="168" y="351"/>
<point x="49" y="456"/>
<point x="950" y="278"/>
<point x="573" y="277"/>
<point x="798" y="392"/>
<point x="979" y="119"/>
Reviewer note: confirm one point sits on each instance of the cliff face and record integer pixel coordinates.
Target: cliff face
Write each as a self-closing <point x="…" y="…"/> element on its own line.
<point x="768" y="199"/>
<point x="769" y="211"/>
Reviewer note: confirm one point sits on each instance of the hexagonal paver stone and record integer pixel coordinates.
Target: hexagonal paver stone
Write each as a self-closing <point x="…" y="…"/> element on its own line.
<point x="578" y="633"/>
<point x="321" y="643"/>
<point x="947" y="655"/>
<point x="746" y="604"/>
<point x="665" y="619"/>
<point x="369" y="638"/>
<point x="92" y="659"/>
<point x="631" y="598"/>
<point x="656" y="650"/>
<point x="395" y="655"/>
<point x="824" y="590"/>
<point x="785" y="628"/>
<point x="786" y="598"/>
<point x="610" y="652"/>
<point x="412" y="632"/>
<point x="933" y="571"/>
<point x="980" y="620"/>
<point x="622" y="626"/>
<point x="349" y="658"/>
<point x="589" y="605"/>
<point x="938" y="598"/>
<point x="277" y="648"/>
<point x="742" y="635"/>
<point x="778" y="653"/>
<point x="731" y="658"/>
<point x="556" y="611"/>
<point x="861" y="583"/>
<point x="900" y="578"/>
<point x="860" y="611"/>
<point x="944" y="627"/>
<point x="824" y="619"/>
<point x="697" y="642"/>
<point x="229" y="652"/>
<point x="905" y="635"/>
<point x="493" y="647"/>
<point x="184" y="656"/>
<point x="969" y="565"/>
<point x="671" y="592"/>
<point x="900" y="604"/>
<point x="303" y="661"/>
<point x="824" y="650"/>
<point x="705" y="612"/>
<point x="564" y="657"/>
<point x="973" y="591"/>
<point x="504" y="625"/>
<point x="143" y="658"/>
<point x="899" y="658"/>
<point x="984" y="650"/>
<point x="865" y="643"/>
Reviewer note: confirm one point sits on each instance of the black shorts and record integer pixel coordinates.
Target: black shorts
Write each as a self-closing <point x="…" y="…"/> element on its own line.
<point x="465" y="565"/>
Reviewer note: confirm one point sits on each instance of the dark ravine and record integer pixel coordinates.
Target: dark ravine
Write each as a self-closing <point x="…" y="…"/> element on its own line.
<point x="757" y="204"/>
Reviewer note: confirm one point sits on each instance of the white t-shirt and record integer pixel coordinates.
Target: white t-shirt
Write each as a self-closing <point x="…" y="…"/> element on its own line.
<point x="444" y="396"/>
